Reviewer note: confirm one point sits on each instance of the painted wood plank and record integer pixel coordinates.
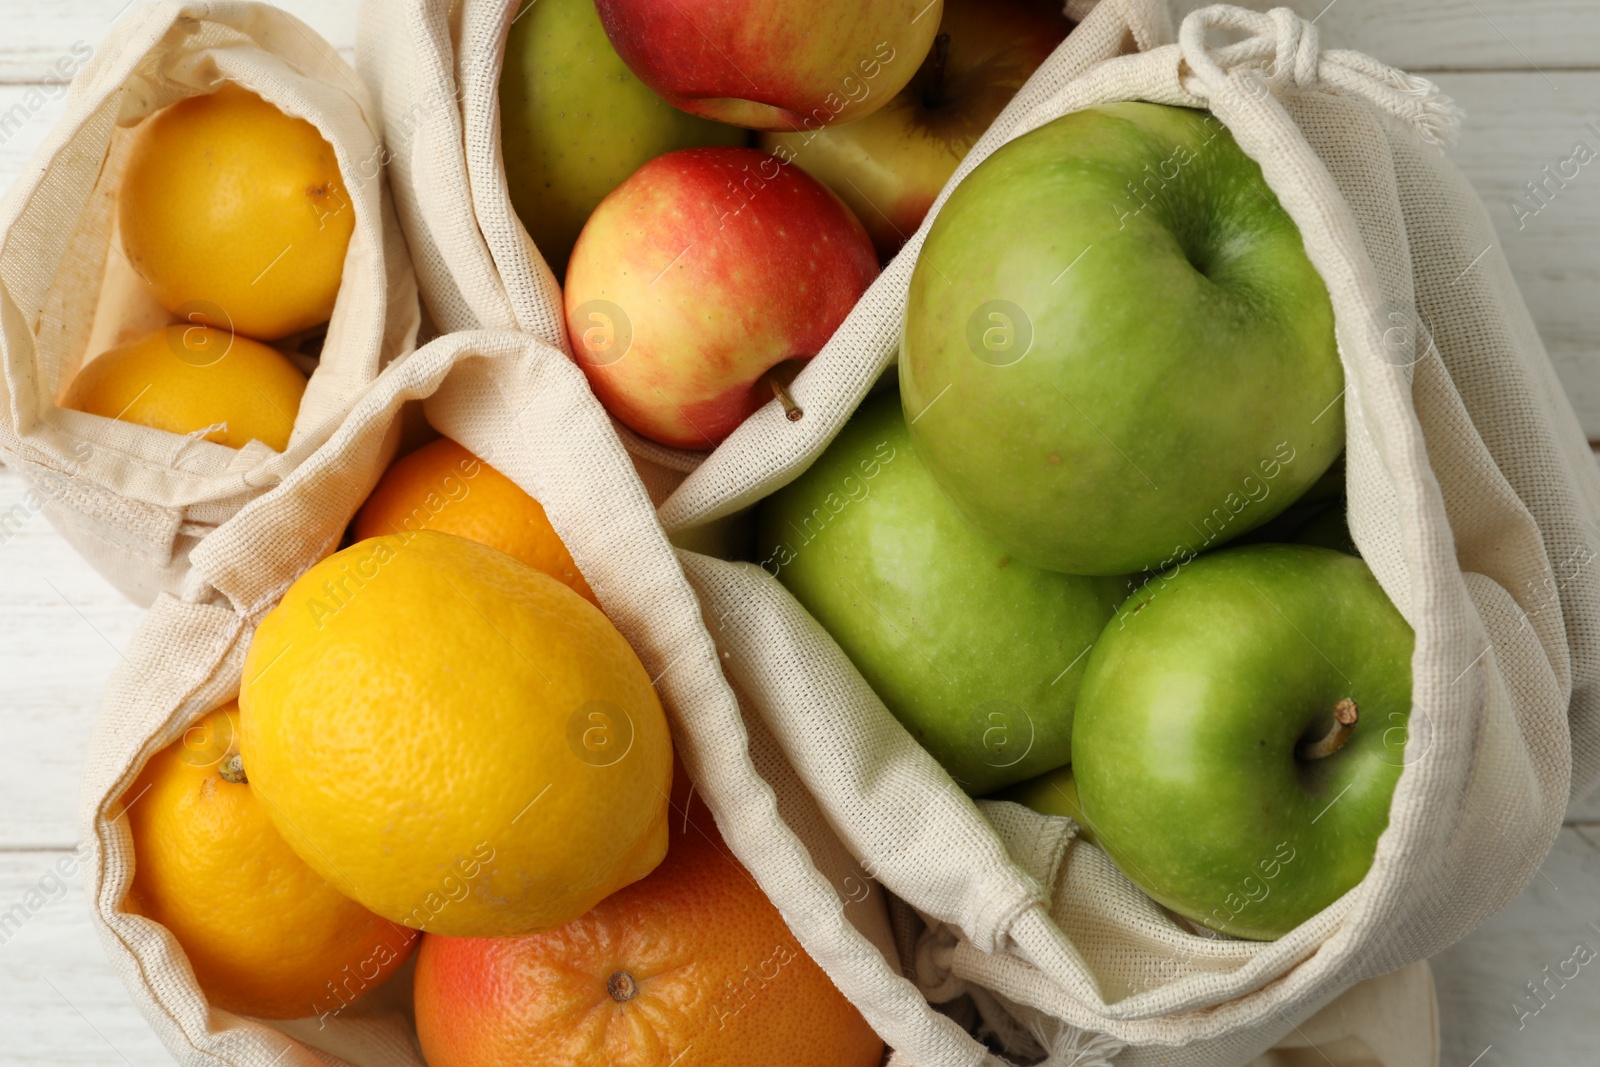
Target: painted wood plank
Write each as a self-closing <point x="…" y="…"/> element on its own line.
<point x="1585" y="809"/>
<point x="63" y="626"/>
<point x="1451" y="34"/>
<point x="27" y="114"/>
<point x="1517" y="125"/>
<point x="1485" y="1007"/>
<point x="1420" y="34"/>
<point x="60" y="1001"/>
<point x="39" y="35"/>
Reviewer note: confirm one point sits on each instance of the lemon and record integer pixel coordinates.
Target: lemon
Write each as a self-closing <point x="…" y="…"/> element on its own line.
<point x="265" y="934"/>
<point x="195" y="380"/>
<point x="456" y="740"/>
<point x="236" y="214"/>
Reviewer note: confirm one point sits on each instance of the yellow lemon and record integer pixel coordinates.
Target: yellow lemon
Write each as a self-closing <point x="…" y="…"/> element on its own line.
<point x="456" y="740"/>
<point x="235" y="213"/>
<point x="265" y="934"/>
<point x="195" y="380"/>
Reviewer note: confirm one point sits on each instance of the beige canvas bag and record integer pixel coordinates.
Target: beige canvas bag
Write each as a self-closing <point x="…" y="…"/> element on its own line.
<point x="131" y="499"/>
<point x="527" y="409"/>
<point x="1472" y="494"/>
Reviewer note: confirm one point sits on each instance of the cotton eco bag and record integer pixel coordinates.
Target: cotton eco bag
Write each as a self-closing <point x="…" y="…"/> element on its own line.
<point x="1472" y="495"/>
<point x="526" y="408"/>
<point x="435" y="69"/>
<point x="134" y="500"/>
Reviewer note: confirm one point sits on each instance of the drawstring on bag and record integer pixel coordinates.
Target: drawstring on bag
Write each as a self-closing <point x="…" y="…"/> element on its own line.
<point x="1289" y="47"/>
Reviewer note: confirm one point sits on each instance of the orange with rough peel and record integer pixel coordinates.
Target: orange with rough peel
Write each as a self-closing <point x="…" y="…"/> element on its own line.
<point x="194" y="380"/>
<point x="456" y="740"/>
<point x="441" y="486"/>
<point x="265" y="934"/>
<point x="236" y="215"/>
<point x="690" y="967"/>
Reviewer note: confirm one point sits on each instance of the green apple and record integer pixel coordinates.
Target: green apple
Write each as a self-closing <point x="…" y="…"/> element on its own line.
<point x="1116" y="352"/>
<point x="890" y="166"/>
<point x="575" y="121"/>
<point x="1052" y="793"/>
<point x="1240" y="732"/>
<point x="979" y="656"/>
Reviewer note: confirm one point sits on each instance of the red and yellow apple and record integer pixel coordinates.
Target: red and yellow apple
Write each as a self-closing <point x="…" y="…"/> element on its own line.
<point x="697" y="277"/>
<point x="777" y="65"/>
<point x="890" y="166"/>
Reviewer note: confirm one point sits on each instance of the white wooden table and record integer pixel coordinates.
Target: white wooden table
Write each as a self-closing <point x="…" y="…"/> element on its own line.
<point x="1527" y="73"/>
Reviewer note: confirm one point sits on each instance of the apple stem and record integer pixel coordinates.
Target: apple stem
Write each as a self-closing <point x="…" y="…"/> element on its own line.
<point x="232" y="770"/>
<point x="1345" y="714"/>
<point x="938" y="58"/>
<point x="791" y="410"/>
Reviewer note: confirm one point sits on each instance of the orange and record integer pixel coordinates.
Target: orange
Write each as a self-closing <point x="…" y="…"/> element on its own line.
<point x="456" y="740"/>
<point x="236" y="213"/>
<point x="195" y="380"/>
<point x="441" y="486"/>
<point x="690" y="967"/>
<point x="266" y="936"/>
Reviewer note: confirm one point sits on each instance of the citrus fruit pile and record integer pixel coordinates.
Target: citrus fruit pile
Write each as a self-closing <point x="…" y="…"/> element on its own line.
<point x="237" y="220"/>
<point x="442" y="743"/>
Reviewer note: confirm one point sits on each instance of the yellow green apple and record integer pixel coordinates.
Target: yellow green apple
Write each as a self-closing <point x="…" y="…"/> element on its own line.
<point x="574" y="122"/>
<point x="890" y="166"/>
